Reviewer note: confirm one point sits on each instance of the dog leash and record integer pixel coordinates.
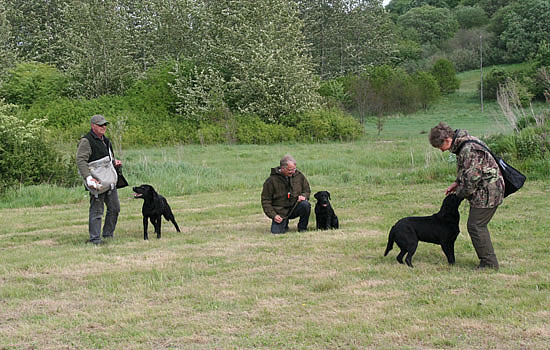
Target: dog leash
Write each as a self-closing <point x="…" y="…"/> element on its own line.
<point x="291" y="211"/>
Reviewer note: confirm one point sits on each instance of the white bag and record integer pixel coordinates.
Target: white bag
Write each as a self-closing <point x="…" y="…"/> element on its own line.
<point x="104" y="171"/>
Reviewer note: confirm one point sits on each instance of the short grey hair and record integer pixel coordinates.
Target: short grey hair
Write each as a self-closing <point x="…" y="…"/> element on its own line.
<point x="286" y="160"/>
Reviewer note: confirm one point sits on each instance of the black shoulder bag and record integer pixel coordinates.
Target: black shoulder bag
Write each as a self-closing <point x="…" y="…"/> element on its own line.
<point x="121" y="180"/>
<point x="513" y="179"/>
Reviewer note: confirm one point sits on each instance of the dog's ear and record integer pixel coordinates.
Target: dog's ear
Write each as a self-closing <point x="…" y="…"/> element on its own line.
<point x="316" y="195"/>
<point x="328" y="193"/>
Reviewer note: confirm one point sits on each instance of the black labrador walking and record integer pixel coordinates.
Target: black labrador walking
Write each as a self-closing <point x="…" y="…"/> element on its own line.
<point x="154" y="206"/>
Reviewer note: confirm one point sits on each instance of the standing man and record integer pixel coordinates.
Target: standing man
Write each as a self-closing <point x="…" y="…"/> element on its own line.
<point x="478" y="180"/>
<point x="96" y="163"/>
<point x="285" y="196"/>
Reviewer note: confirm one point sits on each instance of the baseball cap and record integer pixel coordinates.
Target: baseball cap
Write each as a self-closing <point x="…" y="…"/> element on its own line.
<point x="98" y="119"/>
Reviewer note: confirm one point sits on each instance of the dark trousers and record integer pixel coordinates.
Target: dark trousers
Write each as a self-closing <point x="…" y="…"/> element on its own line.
<point x="97" y="204"/>
<point x="479" y="233"/>
<point x="302" y="210"/>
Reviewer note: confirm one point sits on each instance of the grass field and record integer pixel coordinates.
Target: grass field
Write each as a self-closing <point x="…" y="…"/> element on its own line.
<point x="226" y="283"/>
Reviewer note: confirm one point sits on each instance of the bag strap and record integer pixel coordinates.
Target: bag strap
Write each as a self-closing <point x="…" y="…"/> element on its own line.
<point x="479" y="143"/>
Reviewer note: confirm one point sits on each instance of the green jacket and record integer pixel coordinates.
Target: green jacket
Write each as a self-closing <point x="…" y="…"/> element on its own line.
<point x="280" y="192"/>
<point x="478" y="176"/>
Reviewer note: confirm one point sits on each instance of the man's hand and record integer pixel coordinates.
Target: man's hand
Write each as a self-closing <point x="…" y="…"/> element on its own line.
<point x="301" y="198"/>
<point x="118" y="163"/>
<point x="278" y="219"/>
<point x="92" y="182"/>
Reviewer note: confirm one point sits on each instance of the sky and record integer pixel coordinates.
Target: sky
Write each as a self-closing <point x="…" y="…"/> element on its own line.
<point x="386" y="2"/>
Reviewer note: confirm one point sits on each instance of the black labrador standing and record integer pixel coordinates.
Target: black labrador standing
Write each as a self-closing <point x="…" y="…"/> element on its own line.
<point x="324" y="214"/>
<point x="154" y="206"/>
<point x="440" y="228"/>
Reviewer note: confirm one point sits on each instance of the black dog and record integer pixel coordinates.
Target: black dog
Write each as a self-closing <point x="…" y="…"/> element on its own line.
<point x="441" y="228"/>
<point x="324" y="214"/>
<point x="154" y="206"/>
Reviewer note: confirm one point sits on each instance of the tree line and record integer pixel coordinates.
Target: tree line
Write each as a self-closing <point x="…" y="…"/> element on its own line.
<point x="271" y="59"/>
<point x="241" y="71"/>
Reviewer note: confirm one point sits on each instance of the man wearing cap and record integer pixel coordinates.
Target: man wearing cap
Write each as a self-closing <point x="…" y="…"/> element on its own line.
<point x="94" y="148"/>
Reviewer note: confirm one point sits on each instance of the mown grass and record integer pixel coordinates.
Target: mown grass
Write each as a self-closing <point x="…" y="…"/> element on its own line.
<point x="226" y="283"/>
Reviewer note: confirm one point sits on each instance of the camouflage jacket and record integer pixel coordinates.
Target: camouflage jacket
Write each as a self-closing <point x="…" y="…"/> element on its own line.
<point x="478" y="176"/>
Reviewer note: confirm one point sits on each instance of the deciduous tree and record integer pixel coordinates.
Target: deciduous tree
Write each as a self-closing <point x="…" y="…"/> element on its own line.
<point x="260" y="51"/>
<point x="346" y="35"/>
<point x="429" y="25"/>
<point x="526" y="24"/>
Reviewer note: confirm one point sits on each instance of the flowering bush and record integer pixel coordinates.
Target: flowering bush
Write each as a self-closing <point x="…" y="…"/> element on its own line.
<point x="28" y="156"/>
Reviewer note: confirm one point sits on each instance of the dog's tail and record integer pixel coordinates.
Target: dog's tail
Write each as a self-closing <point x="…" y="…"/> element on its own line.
<point x="391" y="239"/>
<point x="169" y="216"/>
<point x="176" y="225"/>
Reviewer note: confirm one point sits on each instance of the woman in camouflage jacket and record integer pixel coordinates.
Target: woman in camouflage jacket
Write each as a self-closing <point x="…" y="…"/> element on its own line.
<point x="478" y="180"/>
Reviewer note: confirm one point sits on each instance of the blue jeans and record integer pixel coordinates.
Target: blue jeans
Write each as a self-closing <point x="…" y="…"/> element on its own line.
<point x="302" y="210"/>
<point x="110" y="199"/>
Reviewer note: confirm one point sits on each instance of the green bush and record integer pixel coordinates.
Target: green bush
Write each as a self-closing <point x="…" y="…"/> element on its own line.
<point x="470" y="16"/>
<point x="145" y="124"/>
<point x="444" y="72"/>
<point x="334" y="93"/>
<point x="70" y="118"/>
<point x="503" y="145"/>
<point x="532" y="142"/>
<point x="408" y="50"/>
<point x="211" y="133"/>
<point x="525" y="122"/>
<point x="428" y="25"/>
<point x="29" y="82"/>
<point x="542" y="57"/>
<point x="199" y="91"/>
<point x="328" y="125"/>
<point x="523" y="91"/>
<point x="383" y="90"/>
<point x="28" y="156"/>
<point x="524" y="26"/>
<point x="464" y="59"/>
<point x="492" y="81"/>
<point x="427" y="88"/>
<point x="250" y="129"/>
<point x="153" y="94"/>
<point x="497" y="77"/>
<point x="541" y="83"/>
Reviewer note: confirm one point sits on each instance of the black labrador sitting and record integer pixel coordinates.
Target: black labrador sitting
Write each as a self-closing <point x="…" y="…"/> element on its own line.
<point x="440" y="228"/>
<point x="154" y="206"/>
<point x="324" y="214"/>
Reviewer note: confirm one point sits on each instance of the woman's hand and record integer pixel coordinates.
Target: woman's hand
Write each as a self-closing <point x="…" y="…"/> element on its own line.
<point x="451" y="188"/>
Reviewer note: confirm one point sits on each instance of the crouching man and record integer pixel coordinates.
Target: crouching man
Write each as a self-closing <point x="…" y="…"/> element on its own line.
<point x="285" y="196"/>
